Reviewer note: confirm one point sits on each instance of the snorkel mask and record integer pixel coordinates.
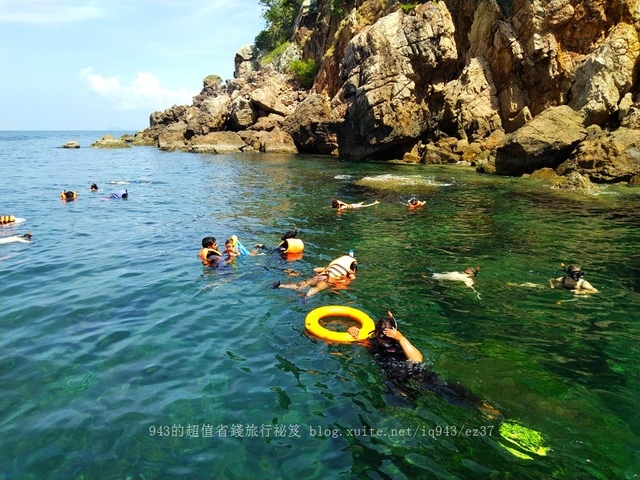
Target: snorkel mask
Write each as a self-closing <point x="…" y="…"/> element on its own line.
<point x="575" y="272"/>
<point x="386" y="322"/>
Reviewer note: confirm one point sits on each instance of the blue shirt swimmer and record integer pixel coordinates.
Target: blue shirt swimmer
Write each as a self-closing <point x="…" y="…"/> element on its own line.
<point x="120" y="195"/>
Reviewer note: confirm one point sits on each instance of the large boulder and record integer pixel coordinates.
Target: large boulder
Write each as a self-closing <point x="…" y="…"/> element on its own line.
<point x="216" y="142"/>
<point x="210" y="116"/>
<point x="311" y="126"/>
<point x="546" y="141"/>
<point x="606" y="75"/>
<point x="386" y="70"/>
<point x="277" y="141"/>
<point x="606" y="157"/>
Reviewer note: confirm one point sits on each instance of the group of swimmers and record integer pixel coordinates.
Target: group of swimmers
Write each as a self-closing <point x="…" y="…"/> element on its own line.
<point x="71" y="195"/>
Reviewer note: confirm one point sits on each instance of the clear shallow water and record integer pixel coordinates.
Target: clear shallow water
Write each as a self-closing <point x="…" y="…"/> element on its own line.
<point x="112" y="330"/>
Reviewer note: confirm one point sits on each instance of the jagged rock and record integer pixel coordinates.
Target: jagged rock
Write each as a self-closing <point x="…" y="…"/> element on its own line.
<point x="172" y="137"/>
<point x="268" y="123"/>
<point x="545" y="173"/>
<point x="605" y="75"/>
<point x="109" y="142"/>
<point x="246" y="61"/>
<point x="546" y="141"/>
<point x="216" y="142"/>
<point x="241" y="113"/>
<point x="277" y="141"/>
<point x="574" y="181"/>
<point x="381" y="69"/>
<point x="471" y="104"/>
<point x="631" y="115"/>
<point x="607" y="157"/>
<point x="267" y="100"/>
<point x="71" y="144"/>
<point x="435" y="156"/>
<point x="210" y="116"/>
<point x="311" y="125"/>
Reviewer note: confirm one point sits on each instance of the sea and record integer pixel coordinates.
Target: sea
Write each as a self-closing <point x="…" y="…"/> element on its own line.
<point x="122" y="356"/>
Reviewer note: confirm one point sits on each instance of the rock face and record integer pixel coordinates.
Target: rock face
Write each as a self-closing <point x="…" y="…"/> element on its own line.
<point x="437" y="82"/>
<point x="545" y="141"/>
<point x="386" y="71"/>
<point x="606" y="157"/>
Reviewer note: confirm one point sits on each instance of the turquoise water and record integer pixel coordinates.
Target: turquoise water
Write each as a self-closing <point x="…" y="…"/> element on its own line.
<point x="122" y="357"/>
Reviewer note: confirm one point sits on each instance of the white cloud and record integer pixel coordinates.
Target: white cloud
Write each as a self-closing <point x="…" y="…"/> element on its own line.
<point x="145" y="92"/>
<point x="48" y="12"/>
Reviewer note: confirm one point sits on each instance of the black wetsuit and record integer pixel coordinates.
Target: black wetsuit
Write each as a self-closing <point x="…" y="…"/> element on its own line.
<point x="411" y="379"/>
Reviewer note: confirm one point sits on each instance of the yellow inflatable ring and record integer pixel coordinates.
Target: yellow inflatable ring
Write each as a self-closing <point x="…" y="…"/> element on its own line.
<point x="312" y="323"/>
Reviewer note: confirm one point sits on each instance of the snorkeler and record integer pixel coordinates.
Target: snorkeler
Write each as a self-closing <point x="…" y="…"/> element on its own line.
<point x="573" y="280"/>
<point x="94" y="187"/>
<point x="120" y="195"/>
<point x="340" y="205"/>
<point x="402" y="363"/>
<point x="466" y="276"/>
<point x="339" y="272"/>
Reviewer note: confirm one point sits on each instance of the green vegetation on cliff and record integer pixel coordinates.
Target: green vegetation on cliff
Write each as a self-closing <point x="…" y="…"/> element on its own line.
<point x="280" y="16"/>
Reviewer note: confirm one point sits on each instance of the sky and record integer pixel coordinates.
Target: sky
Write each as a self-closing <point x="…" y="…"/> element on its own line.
<point x="108" y="64"/>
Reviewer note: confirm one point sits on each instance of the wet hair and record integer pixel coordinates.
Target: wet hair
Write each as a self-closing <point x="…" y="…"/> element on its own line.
<point x="125" y="195"/>
<point x="575" y="272"/>
<point x="354" y="266"/>
<point x="335" y="203"/>
<point x="208" y="241"/>
<point x="381" y="340"/>
<point x="471" y="271"/>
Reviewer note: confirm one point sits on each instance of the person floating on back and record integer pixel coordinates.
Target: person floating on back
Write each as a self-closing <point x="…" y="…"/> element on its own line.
<point x="339" y="272"/>
<point x="573" y="280"/>
<point x="340" y="205"/>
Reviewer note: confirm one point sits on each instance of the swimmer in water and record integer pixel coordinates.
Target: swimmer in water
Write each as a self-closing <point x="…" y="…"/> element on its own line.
<point x="340" y="205"/>
<point x="414" y="203"/>
<point x="401" y="361"/>
<point x="573" y="280"/>
<point x="209" y="253"/>
<point x="339" y="272"/>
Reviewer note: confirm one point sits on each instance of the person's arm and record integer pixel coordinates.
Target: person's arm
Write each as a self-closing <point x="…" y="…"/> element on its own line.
<point x="412" y="353"/>
<point x="586" y="287"/>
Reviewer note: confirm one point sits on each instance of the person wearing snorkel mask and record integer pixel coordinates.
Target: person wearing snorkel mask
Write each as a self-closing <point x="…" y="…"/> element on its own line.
<point x="402" y="363"/>
<point x="386" y="339"/>
<point x="573" y="280"/>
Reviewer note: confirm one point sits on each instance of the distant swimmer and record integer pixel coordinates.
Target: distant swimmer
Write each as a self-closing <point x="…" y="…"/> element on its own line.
<point x="414" y="203"/>
<point x="118" y="182"/>
<point x="94" y="187"/>
<point x="466" y="276"/>
<point x="573" y="280"/>
<point x="339" y="272"/>
<point x="68" y="196"/>
<point x="340" y="205"/>
<point x="25" y="238"/>
<point x="119" y="195"/>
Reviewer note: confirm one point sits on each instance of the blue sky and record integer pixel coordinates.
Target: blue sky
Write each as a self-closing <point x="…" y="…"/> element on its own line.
<point x="106" y="64"/>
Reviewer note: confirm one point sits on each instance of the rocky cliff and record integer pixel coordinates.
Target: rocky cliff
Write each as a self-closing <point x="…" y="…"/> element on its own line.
<point x="510" y="85"/>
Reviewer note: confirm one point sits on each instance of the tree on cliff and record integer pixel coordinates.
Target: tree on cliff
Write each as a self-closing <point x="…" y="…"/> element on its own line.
<point x="280" y="16"/>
